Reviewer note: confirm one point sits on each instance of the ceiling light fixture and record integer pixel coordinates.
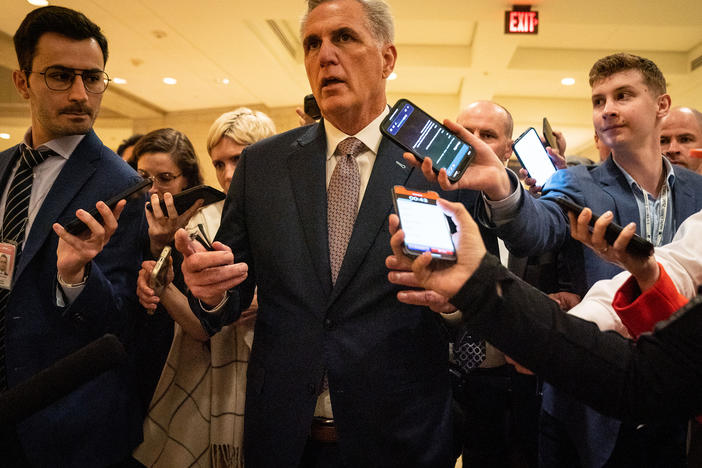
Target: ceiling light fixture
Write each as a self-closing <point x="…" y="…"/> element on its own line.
<point x="170" y="81"/>
<point x="393" y="76"/>
<point x="38" y="2"/>
<point x="568" y="81"/>
<point x="117" y="80"/>
<point x="5" y="136"/>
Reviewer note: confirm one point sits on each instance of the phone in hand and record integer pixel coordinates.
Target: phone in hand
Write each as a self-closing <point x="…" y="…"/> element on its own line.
<point x="311" y="107"/>
<point x="424" y="223"/>
<point x="637" y="246"/>
<point x="533" y="156"/>
<point x="550" y="138"/>
<point x="76" y="226"/>
<point x="188" y="197"/>
<point x="159" y="275"/>
<point x="423" y="136"/>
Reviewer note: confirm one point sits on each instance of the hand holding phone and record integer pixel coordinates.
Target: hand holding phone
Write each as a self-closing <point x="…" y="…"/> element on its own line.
<point x="423" y="136"/>
<point x="549" y="136"/>
<point x="187" y="198"/>
<point x="533" y="156"/>
<point x="424" y="223"/>
<point x="159" y="275"/>
<point x="638" y="246"/>
<point x="76" y="226"/>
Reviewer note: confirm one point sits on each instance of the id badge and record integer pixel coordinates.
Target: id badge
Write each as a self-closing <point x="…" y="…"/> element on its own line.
<point x="8" y="254"/>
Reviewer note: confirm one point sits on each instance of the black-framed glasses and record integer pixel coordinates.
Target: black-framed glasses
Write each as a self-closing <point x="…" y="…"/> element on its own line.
<point x="162" y="178"/>
<point x="61" y="79"/>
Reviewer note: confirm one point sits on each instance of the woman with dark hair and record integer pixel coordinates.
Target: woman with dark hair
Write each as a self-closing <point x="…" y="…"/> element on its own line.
<point x="168" y="158"/>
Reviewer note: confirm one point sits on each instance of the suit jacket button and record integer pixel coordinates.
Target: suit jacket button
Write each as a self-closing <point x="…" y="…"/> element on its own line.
<point x="329" y="324"/>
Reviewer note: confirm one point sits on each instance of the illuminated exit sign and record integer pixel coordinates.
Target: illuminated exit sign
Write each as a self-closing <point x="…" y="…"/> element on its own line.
<point x="521" y="20"/>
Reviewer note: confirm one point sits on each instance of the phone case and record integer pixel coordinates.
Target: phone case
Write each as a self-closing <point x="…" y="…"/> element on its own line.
<point x="637" y="245"/>
<point x="549" y="136"/>
<point x="159" y="274"/>
<point x="186" y="198"/>
<point x="76" y="226"/>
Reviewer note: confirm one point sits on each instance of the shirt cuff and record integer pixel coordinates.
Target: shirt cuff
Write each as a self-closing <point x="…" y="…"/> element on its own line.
<point x="500" y="212"/>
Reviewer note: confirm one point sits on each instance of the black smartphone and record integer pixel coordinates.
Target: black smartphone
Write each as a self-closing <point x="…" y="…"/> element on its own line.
<point x="76" y="226"/>
<point x="422" y="135"/>
<point x="637" y="246"/>
<point x="533" y="156"/>
<point x="550" y="138"/>
<point x="311" y="107"/>
<point x="424" y="223"/>
<point x="186" y="198"/>
<point x="159" y="275"/>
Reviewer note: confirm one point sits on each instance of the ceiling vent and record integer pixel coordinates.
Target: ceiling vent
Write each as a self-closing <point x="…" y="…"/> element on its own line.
<point x="287" y="38"/>
<point x="696" y="63"/>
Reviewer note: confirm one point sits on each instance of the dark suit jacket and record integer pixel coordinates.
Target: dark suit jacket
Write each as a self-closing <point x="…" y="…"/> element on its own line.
<point x="541" y="225"/>
<point x="96" y="424"/>
<point x="657" y="378"/>
<point x="386" y="361"/>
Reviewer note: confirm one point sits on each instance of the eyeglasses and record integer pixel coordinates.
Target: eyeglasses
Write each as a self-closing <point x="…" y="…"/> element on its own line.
<point x="162" y="178"/>
<point x="61" y="79"/>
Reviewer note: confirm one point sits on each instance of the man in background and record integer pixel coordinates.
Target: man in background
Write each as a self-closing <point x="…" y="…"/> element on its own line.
<point x="682" y="131"/>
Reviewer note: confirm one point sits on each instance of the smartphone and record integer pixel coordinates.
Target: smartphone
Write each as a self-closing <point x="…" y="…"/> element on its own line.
<point x="186" y="198"/>
<point x="424" y="223"/>
<point x="550" y="138"/>
<point x="637" y="246"/>
<point x="422" y="135"/>
<point x="159" y="275"/>
<point x="533" y="156"/>
<point x="76" y="226"/>
<point x="311" y="108"/>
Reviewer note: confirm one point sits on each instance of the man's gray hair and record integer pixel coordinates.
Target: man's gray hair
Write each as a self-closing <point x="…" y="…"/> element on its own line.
<point x="378" y="15"/>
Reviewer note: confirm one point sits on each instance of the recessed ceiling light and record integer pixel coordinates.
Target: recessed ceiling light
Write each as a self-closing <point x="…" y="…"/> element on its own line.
<point x="38" y="2"/>
<point x="568" y="81"/>
<point x="118" y="80"/>
<point x="393" y="76"/>
<point x="5" y="136"/>
<point x="170" y="81"/>
<point x="224" y="81"/>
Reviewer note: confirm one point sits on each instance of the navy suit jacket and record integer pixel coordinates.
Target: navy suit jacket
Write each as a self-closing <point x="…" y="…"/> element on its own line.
<point x="96" y="425"/>
<point x="386" y="361"/>
<point x="541" y="226"/>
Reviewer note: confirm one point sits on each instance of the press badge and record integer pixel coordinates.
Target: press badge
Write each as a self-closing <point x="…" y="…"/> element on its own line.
<point x="8" y="254"/>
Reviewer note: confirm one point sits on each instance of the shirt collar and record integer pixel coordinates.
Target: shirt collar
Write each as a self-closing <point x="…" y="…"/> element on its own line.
<point x="370" y="135"/>
<point x="667" y="167"/>
<point x="63" y="146"/>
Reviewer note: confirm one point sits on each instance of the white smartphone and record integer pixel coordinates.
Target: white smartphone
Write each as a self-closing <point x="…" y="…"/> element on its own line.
<point x="533" y="156"/>
<point x="424" y="223"/>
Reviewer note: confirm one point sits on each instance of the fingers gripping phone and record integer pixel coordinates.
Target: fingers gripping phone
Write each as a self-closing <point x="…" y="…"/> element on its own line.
<point x="533" y="156"/>
<point x="637" y="246"/>
<point x="422" y="135"/>
<point x="311" y="108"/>
<point x="76" y="226"/>
<point x="159" y="275"/>
<point x="549" y="136"/>
<point x="424" y="223"/>
<point x="185" y="199"/>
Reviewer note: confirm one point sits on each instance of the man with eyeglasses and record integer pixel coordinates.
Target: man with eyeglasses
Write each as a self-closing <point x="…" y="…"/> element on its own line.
<point x="66" y="290"/>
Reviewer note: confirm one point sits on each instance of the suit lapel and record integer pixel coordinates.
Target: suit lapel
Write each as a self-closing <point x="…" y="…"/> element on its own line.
<point x="77" y="170"/>
<point x="683" y="197"/>
<point x="390" y="169"/>
<point x="623" y="204"/>
<point x="307" y="168"/>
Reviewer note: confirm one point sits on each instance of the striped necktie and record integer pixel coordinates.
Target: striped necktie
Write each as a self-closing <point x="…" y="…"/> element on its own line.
<point x="13" y="224"/>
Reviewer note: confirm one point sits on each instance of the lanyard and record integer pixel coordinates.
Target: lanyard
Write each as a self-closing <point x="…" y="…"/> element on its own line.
<point x="661" y="215"/>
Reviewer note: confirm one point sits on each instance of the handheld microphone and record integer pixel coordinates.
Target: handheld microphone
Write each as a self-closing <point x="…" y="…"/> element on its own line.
<point x="60" y="379"/>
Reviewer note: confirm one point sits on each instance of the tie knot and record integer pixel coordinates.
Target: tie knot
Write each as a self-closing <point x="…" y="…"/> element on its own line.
<point x="350" y="146"/>
<point x="33" y="158"/>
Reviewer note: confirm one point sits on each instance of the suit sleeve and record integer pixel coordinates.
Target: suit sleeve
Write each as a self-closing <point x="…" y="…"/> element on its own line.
<point x="656" y="378"/>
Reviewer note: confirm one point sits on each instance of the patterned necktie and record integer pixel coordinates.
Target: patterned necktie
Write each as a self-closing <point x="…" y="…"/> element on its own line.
<point x="342" y="201"/>
<point x="13" y="224"/>
<point x="469" y="352"/>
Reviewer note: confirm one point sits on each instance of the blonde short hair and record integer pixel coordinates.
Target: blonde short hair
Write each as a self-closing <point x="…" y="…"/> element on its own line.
<point x="242" y="125"/>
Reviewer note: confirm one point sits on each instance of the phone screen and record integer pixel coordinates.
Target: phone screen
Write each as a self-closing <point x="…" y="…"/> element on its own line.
<point x="424" y="223"/>
<point x="423" y="136"/>
<point x="533" y="156"/>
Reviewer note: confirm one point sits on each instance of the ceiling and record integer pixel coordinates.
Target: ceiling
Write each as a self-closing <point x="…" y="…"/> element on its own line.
<point x="452" y="49"/>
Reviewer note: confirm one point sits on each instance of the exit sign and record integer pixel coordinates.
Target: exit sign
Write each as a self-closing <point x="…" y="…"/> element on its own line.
<point x="521" y="20"/>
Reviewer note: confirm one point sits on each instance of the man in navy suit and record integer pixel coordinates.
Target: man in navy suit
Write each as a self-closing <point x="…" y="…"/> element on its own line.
<point x="635" y="184"/>
<point x="388" y="399"/>
<point x="67" y="290"/>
